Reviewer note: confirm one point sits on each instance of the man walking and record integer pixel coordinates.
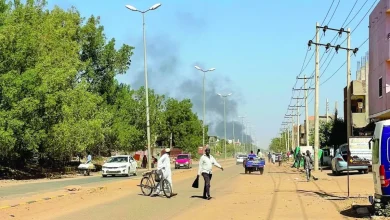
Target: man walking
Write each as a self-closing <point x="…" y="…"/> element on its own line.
<point x="206" y="163"/>
<point x="269" y="157"/>
<point x="164" y="164"/>
<point x="308" y="165"/>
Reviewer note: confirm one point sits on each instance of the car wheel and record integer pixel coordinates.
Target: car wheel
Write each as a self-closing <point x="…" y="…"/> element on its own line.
<point x="103" y="175"/>
<point x="366" y="171"/>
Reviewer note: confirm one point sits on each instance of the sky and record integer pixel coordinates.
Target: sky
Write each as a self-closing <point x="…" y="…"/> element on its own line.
<point x="257" y="48"/>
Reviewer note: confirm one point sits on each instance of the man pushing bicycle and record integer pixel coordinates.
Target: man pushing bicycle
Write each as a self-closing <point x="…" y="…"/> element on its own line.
<point x="164" y="166"/>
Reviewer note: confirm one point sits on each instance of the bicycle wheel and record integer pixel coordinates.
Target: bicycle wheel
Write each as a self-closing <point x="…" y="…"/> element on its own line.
<point x="146" y="186"/>
<point x="167" y="189"/>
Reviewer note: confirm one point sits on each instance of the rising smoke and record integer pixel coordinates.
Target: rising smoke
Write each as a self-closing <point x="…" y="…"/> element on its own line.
<point x="164" y="77"/>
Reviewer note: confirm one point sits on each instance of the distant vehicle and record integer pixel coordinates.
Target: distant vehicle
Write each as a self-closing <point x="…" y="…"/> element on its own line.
<point x="183" y="160"/>
<point x="240" y="158"/>
<point x="253" y="163"/>
<point x="277" y="157"/>
<point x="339" y="162"/>
<point x="120" y="165"/>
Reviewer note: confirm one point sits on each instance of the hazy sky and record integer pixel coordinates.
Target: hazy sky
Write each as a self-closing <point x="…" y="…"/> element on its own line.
<point x="257" y="48"/>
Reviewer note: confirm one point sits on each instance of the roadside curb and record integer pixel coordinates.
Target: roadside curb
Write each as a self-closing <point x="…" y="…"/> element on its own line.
<point x="94" y="189"/>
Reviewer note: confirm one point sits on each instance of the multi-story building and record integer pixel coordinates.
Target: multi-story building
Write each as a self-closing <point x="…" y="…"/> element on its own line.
<point x="379" y="56"/>
<point x="310" y="130"/>
<point x="359" y="99"/>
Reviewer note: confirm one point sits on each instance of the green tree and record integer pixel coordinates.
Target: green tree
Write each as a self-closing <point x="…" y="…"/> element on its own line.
<point x="183" y="124"/>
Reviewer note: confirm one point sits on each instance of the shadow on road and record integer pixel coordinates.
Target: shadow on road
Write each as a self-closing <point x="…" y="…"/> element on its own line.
<point x="352" y="213"/>
<point x="283" y="172"/>
<point x="345" y="174"/>
<point x="196" y="197"/>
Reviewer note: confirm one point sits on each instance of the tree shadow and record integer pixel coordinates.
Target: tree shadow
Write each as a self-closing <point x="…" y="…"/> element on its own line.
<point x="352" y="212"/>
<point x="284" y="172"/>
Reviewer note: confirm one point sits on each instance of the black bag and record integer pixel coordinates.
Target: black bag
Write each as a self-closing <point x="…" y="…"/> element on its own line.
<point x="158" y="176"/>
<point x="195" y="184"/>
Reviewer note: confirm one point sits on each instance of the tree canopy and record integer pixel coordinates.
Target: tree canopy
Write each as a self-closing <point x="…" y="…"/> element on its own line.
<point x="59" y="96"/>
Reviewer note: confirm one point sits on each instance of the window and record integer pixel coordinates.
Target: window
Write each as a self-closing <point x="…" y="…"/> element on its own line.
<point x="380" y="87"/>
<point x="375" y="151"/>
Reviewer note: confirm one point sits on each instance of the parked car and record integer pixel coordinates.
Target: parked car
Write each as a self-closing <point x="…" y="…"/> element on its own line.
<point x="120" y="165"/>
<point x="339" y="162"/>
<point x="183" y="160"/>
<point x="240" y="158"/>
<point x="277" y="157"/>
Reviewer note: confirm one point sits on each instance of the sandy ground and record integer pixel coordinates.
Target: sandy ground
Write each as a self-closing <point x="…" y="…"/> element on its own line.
<point x="280" y="193"/>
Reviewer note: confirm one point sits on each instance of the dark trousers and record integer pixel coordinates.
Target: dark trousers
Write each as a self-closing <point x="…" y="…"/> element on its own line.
<point x="207" y="179"/>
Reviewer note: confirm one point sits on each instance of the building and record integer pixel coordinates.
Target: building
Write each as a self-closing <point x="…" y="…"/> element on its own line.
<point x="379" y="65"/>
<point x="302" y="128"/>
<point x="359" y="99"/>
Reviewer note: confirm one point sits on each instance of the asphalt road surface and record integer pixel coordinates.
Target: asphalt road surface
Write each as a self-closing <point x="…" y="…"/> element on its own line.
<point x="15" y="191"/>
<point x="137" y="206"/>
<point x="280" y="193"/>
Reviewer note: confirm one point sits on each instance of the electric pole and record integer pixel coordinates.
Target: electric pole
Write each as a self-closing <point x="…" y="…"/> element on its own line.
<point x="288" y="133"/>
<point x="337" y="48"/>
<point x="292" y="136"/>
<point x="306" y="108"/>
<point x="317" y="81"/>
<point x="298" y="125"/>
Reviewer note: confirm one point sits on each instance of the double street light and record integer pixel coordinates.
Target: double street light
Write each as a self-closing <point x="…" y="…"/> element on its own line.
<point x="224" y="115"/>
<point x="204" y="97"/>
<point x="132" y="8"/>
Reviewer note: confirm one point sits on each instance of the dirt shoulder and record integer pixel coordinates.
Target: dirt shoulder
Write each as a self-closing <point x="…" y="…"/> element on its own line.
<point x="277" y="194"/>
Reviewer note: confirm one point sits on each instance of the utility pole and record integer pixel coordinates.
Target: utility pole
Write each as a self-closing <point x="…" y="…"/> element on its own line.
<point x="337" y="48"/>
<point x="297" y="109"/>
<point x="317" y="80"/>
<point x="327" y="110"/>
<point x="234" y="142"/>
<point x="306" y="108"/>
<point x="288" y="133"/>
<point x="292" y="135"/>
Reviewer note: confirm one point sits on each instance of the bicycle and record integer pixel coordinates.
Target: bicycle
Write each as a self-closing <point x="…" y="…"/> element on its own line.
<point x="149" y="180"/>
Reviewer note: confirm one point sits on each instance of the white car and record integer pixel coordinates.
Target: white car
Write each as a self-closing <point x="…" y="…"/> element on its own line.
<point x="240" y="158"/>
<point x="120" y="165"/>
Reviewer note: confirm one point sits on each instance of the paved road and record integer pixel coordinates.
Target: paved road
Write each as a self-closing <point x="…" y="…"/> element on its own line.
<point x="136" y="206"/>
<point x="280" y="193"/>
<point x="15" y="191"/>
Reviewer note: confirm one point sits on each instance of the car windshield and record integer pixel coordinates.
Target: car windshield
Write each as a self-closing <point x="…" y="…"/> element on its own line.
<point x="118" y="160"/>
<point x="182" y="157"/>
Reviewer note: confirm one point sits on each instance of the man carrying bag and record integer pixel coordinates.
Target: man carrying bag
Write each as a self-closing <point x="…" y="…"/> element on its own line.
<point x="206" y="163"/>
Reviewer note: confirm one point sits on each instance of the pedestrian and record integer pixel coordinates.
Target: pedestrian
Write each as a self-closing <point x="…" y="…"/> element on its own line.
<point x="206" y="163"/>
<point x="164" y="165"/>
<point x="269" y="157"/>
<point x="280" y="159"/>
<point x="308" y="165"/>
<point x="273" y="158"/>
<point x="144" y="161"/>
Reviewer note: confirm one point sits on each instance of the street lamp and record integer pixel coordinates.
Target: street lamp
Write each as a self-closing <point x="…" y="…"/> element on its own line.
<point x="132" y="8"/>
<point x="224" y="114"/>
<point x="204" y="95"/>
<point x="242" y="133"/>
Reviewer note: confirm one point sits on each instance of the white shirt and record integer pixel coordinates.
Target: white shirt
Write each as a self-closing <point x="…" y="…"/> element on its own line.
<point x="206" y="164"/>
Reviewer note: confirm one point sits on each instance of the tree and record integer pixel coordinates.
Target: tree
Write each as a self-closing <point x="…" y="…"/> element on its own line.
<point x="183" y="124"/>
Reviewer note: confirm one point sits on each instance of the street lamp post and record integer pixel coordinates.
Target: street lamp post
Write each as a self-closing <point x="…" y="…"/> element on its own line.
<point x="242" y="133"/>
<point x="224" y="115"/>
<point x="132" y="8"/>
<point x="204" y="96"/>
